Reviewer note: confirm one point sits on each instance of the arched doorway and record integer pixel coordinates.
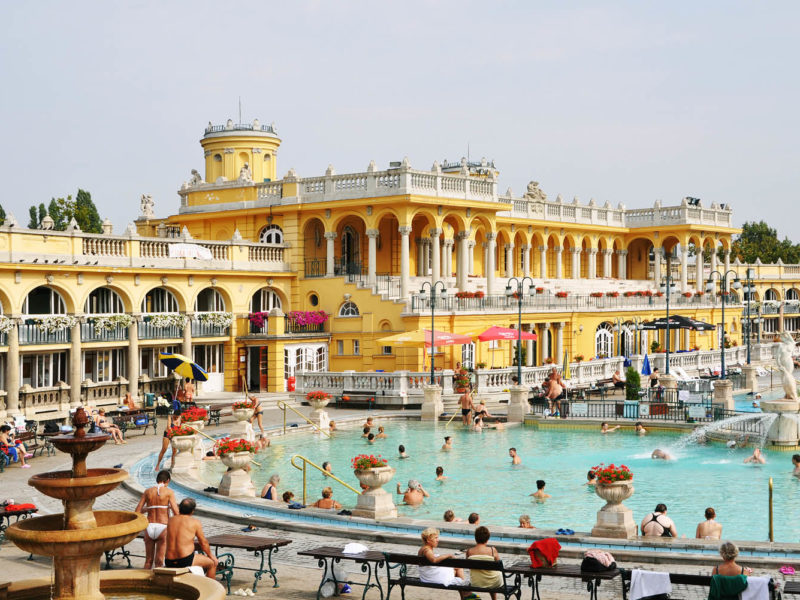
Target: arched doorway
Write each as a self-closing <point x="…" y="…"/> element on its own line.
<point x="350" y="252"/>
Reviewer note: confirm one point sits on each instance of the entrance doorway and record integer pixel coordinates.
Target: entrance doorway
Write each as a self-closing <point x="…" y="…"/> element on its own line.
<point x="257" y="368"/>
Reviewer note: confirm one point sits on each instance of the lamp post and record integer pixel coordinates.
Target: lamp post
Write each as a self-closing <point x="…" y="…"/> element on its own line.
<point x="666" y="287"/>
<point x="748" y="291"/>
<point x="423" y="296"/>
<point x="737" y="284"/>
<point x="509" y="292"/>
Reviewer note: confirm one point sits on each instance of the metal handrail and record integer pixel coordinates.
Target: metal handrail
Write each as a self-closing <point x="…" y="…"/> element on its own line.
<point x="321" y="470"/>
<point x="283" y="406"/>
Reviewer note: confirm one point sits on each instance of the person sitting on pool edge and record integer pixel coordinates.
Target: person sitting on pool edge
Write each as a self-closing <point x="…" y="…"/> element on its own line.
<point x="414" y="494"/>
<point x="658" y="524"/>
<point x="327" y="501"/>
<point x="709" y="529"/>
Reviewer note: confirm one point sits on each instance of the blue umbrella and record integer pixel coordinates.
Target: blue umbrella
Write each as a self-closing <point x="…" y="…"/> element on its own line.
<point x="646" y="366"/>
<point x="183" y="366"/>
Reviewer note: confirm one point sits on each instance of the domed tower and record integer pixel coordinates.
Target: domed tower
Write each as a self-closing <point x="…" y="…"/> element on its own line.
<point x="228" y="147"/>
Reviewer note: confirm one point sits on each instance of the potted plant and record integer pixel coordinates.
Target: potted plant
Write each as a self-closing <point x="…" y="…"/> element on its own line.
<point x="540" y="290"/>
<point x="258" y="318"/>
<point x="612" y="294"/>
<point x="195" y="417"/>
<point x="461" y="380"/>
<point x="687" y="294"/>
<point x="562" y="294"/>
<point x="548" y="360"/>
<point x="242" y="410"/>
<point x="481" y="365"/>
<point x="578" y="358"/>
<point x="181" y="438"/>
<point x="614" y="484"/>
<point x="236" y="453"/>
<point x="699" y="294"/>
<point x="596" y="294"/>
<point x="373" y="472"/>
<point x="318" y="399"/>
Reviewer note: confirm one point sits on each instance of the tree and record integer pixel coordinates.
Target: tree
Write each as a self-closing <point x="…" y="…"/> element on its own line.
<point x="632" y="384"/>
<point x="759" y="240"/>
<point x="63" y="210"/>
<point x="42" y="213"/>
<point x="86" y="213"/>
<point x="56" y="212"/>
<point x="2" y="216"/>
<point x="33" y="223"/>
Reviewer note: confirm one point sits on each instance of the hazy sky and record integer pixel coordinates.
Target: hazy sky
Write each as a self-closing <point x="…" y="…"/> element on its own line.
<point x="621" y="101"/>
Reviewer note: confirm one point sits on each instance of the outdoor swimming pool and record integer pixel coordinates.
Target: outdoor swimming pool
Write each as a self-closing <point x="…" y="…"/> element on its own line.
<point x="482" y="479"/>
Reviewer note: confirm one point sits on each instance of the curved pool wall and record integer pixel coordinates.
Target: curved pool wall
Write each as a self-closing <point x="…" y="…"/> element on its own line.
<point x="406" y="530"/>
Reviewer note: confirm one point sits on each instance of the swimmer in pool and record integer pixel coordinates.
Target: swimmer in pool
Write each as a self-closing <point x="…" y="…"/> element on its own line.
<point x="756" y="458"/>
<point x="661" y="454"/>
<point x="796" y="463"/>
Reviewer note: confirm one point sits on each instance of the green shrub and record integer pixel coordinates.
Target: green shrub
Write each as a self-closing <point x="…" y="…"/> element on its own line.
<point x="632" y="384"/>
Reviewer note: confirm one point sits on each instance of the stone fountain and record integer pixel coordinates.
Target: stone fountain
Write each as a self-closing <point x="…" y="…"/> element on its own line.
<point x="78" y="538"/>
<point x="785" y="429"/>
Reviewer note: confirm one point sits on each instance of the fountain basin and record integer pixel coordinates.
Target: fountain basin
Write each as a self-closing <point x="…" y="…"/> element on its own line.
<point x="45" y="536"/>
<point x="62" y="485"/>
<point x="79" y="445"/>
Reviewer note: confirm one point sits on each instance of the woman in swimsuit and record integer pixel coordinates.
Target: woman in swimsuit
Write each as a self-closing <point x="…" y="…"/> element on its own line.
<point x="156" y="503"/>
<point x="188" y="389"/>
<point x="108" y="427"/>
<point x="174" y="421"/>
<point x="270" y="491"/>
<point x="482" y="551"/>
<point x="258" y="411"/>
<point x="728" y="551"/>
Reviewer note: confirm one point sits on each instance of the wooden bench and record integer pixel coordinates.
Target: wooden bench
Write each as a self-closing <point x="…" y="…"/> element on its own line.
<point x="511" y="581"/>
<point x="6" y="515"/>
<point x="684" y="579"/>
<point x="329" y="556"/>
<point x="356" y="399"/>
<point x="792" y="587"/>
<point x="255" y="544"/>
<point x="137" y="420"/>
<point x="33" y="444"/>
<point x="534" y="576"/>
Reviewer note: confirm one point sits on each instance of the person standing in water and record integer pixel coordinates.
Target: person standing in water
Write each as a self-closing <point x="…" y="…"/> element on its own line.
<point x="156" y="502"/>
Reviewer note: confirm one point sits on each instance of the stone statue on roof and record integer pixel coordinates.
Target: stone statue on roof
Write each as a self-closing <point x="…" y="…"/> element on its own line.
<point x="534" y="192"/>
<point x="146" y="206"/>
<point x="195" y="179"/>
<point x="245" y="174"/>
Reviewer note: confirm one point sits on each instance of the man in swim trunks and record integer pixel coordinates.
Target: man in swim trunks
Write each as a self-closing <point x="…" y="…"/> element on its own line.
<point x="555" y="392"/>
<point x="415" y="493"/>
<point x="182" y="530"/>
<point x="515" y="458"/>
<point x="156" y="503"/>
<point x="465" y="401"/>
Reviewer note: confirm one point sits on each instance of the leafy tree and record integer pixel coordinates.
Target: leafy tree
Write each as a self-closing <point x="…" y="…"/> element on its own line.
<point x="759" y="240"/>
<point x="33" y="223"/>
<point x="2" y="216"/>
<point x="63" y="210"/>
<point x="56" y="212"/>
<point x="632" y="384"/>
<point x="86" y="213"/>
<point x="42" y="213"/>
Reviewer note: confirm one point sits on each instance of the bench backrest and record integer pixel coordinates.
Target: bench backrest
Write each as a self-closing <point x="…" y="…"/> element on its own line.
<point x="27" y="436"/>
<point x="455" y="563"/>
<point x="683" y="578"/>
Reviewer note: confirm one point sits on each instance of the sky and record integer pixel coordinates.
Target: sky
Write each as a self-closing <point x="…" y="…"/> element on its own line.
<point x="626" y="102"/>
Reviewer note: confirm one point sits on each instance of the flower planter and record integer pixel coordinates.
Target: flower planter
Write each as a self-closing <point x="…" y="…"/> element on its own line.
<point x="236" y="460"/>
<point x="199" y="425"/>
<point x="182" y="443"/>
<point x="375" y="502"/>
<point x="319" y="403"/>
<point x="615" y="520"/>
<point x="615" y="493"/>
<point x="236" y="481"/>
<point x="242" y="414"/>
<point x="183" y="450"/>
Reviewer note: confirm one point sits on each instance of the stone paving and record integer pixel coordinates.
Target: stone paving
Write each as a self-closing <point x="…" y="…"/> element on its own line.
<point x="298" y="576"/>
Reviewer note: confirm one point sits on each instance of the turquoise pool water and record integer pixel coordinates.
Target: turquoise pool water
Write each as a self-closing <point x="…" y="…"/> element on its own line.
<point x="482" y="479"/>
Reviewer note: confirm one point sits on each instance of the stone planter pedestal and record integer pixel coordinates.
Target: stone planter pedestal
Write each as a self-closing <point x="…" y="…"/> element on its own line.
<point x="242" y="429"/>
<point x="182" y="448"/>
<point x="670" y="382"/>
<point x="785" y="430"/>
<point x="236" y="482"/>
<point x="723" y="394"/>
<point x="319" y="416"/>
<point x="198" y="447"/>
<point x="518" y="406"/>
<point x="615" y="520"/>
<point x="375" y="502"/>
<point x="432" y="405"/>
<point x="750" y="373"/>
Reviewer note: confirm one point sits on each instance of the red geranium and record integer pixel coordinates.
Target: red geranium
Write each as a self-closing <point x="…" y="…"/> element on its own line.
<point x="180" y="430"/>
<point x="610" y="473"/>
<point x="227" y="446"/>
<point x="242" y="404"/>
<point x="318" y="396"/>
<point x="194" y="414"/>
<point x="368" y="461"/>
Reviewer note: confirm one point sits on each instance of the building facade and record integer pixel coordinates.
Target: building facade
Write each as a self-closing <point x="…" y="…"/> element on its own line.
<point x="259" y="279"/>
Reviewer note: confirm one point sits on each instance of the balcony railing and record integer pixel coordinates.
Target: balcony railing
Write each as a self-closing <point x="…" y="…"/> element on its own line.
<point x="30" y="334"/>
<point x="318" y="267"/>
<point x="200" y="329"/>
<point x="147" y="331"/>
<point x="290" y="326"/>
<point x="89" y="334"/>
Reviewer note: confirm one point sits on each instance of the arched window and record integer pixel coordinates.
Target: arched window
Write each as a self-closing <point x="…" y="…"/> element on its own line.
<point x="209" y="300"/>
<point x="604" y="340"/>
<point x="104" y="301"/>
<point x="264" y="300"/>
<point x="44" y="301"/>
<point x="159" y="300"/>
<point x="771" y="294"/>
<point x="792" y="294"/>
<point x="626" y="341"/>
<point x="271" y="234"/>
<point x="348" y="309"/>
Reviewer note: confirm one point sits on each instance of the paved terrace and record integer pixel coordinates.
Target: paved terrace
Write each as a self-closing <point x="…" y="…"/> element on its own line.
<point x="298" y="576"/>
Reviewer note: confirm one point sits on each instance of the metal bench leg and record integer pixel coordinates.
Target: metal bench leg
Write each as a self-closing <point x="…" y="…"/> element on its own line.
<point x="270" y="570"/>
<point x="368" y="569"/>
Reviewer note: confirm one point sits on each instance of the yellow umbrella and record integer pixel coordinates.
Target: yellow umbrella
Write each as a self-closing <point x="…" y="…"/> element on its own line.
<point x="565" y="372"/>
<point x="408" y="338"/>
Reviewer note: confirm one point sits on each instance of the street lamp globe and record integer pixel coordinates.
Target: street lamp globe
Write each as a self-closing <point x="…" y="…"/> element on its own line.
<point x="443" y="294"/>
<point x="737" y="284"/>
<point x="423" y="295"/>
<point x="509" y="292"/>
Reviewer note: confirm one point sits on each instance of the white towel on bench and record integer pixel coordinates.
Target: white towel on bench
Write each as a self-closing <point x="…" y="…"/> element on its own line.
<point x="757" y="589"/>
<point x="196" y="570"/>
<point x="649" y="583"/>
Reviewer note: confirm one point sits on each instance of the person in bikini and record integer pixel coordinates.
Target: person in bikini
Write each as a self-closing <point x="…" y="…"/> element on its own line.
<point x="108" y="427"/>
<point x="258" y="412"/>
<point x="156" y="503"/>
<point x="174" y="421"/>
<point x="182" y="530"/>
<point x="658" y="524"/>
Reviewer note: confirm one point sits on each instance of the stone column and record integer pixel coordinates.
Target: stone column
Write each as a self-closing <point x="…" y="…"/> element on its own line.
<point x="542" y="342"/>
<point x="559" y="342"/>
<point x="491" y="243"/>
<point x="607" y="264"/>
<point x="713" y="259"/>
<point x="446" y="266"/>
<point x="404" y="230"/>
<point x="436" y="270"/>
<point x="518" y="405"/>
<point x="75" y="363"/>
<point x="529" y="358"/>
<point x="12" y="370"/>
<point x="133" y="358"/>
<point x="723" y="394"/>
<point x="684" y="269"/>
<point x="329" y="255"/>
<point x="186" y="349"/>
<point x="576" y="263"/>
<point x="751" y="378"/>
<point x="592" y="263"/>
<point x="621" y="264"/>
<point x="419" y="257"/>
<point x="657" y="252"/>
<point x="727" y="258"/>
<point x="558" y="274"/>
<point x="700" y="269"/>
<point x="485" y="259"/>
<point x="372" y="255"/>
<point x="432" y="405"/>
<point x="471" y="257"/>
<point x="509" y="260"/>
<point x="526" y="261"/>
<point x="543" y="262"/>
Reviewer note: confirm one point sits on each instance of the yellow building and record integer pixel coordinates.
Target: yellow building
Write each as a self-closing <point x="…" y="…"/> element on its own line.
<point x="237" y="278"/>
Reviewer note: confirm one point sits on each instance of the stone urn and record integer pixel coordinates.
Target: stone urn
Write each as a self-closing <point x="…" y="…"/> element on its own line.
<point x="199" y="425"/>
<point x="182" y="448"/>
<point x="236" y="481"/>
<point x="319" y="403"/>
<point x="318" y="415"/>
<point x="242" y="414"/>
<point x="615" y="520"/>
<point x="242" y="428"/>
<point x="375" y="502"/>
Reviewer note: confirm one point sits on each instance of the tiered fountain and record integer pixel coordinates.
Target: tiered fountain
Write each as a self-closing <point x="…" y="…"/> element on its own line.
<point x="78" y="538"/>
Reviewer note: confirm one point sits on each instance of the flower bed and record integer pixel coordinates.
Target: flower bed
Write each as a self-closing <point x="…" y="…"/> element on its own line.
<point x="607" y="474"/>
<point x="229" y="446"/>
<point x="368" y="461"/>
<point x="53" y="324"/>
<point x="180" y="430"/>
<point x="317" y="396"/>
<point x="194" y="414"/>
<point x="164" y="320"/>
